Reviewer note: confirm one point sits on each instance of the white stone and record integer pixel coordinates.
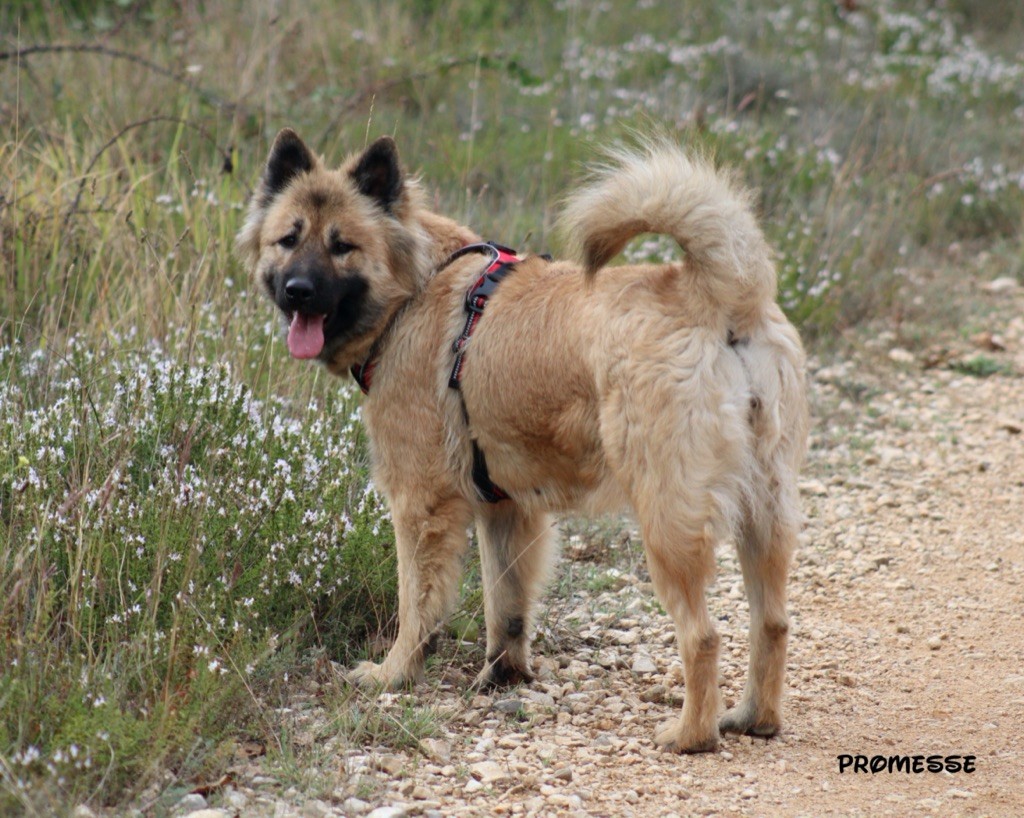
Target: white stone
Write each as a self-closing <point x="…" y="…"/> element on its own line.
<point x="437" y="749"/>
<point x="189" y="804"/>
<point x="642" y="663"/>
<point x="315" y="809"/>
<point x="489" y="772"/>
<point x="1003" y="284"/>
<point x="236" y="800"/>
<point x="389" y="812"/>
<point x="624" y="637"/>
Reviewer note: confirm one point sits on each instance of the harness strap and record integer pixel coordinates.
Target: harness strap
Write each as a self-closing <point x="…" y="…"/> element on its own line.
<point x="501" y="256"/>
<point x="485" y="487"/>
<point x="502" y="260"/>
<point x="500" y="265"/>
<point x="363" y="373"/>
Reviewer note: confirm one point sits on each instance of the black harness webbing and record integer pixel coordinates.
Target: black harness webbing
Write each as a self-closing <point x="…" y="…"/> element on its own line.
<point x="501" y="264"/>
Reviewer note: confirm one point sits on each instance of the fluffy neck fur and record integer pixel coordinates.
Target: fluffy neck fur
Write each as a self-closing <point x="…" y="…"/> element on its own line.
<point x="426" y="242"/>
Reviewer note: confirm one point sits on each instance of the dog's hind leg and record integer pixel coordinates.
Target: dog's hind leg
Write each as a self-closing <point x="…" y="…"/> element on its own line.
<point x="765" y="549"/>
<point x="431" y="540"/>
<point x="681" y="566"/>
<point x="678" y="447"/>
<point x="515" y="554"/>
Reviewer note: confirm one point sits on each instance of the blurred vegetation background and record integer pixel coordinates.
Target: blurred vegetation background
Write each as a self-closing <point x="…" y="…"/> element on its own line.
<point x="185" y="515"/>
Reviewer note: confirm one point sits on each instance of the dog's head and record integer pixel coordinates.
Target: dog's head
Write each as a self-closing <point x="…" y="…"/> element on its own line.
<point x="337" y="250"/>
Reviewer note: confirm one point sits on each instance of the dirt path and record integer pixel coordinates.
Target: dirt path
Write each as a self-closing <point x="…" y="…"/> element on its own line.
<point x="907" y="640"/>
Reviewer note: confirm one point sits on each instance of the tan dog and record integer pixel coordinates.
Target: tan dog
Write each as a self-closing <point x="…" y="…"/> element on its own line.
<point x="675" y="390"/>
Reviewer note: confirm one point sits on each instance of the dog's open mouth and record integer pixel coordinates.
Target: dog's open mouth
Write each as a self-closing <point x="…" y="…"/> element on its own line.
<point x="305" y="335"/>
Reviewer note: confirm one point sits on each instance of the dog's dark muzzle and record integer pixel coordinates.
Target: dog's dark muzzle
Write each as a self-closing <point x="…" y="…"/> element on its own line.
<point x="299" y="292"/>
<point x="305" y="286"/>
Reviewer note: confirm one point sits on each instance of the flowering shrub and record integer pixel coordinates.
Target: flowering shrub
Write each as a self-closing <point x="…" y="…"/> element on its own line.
<point x="163" y="533"/>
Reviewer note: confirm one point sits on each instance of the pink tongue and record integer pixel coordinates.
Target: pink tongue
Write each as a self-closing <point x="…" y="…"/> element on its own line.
<point x="306" y="336"/>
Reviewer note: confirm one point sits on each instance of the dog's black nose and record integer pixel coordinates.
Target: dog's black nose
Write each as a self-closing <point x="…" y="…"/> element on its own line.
<point x="299" y="290"/>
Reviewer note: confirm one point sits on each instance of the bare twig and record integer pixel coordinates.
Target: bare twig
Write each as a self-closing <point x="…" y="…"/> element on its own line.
<point x="226" y="152"/>
<point x="934" y="179"/>
<point x="375" y="89"/>
<point x="117" y="54"/>
<point x="130" y="14"/>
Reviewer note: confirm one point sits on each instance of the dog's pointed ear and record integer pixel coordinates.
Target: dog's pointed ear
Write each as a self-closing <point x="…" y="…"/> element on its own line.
<point x="288" y="158"/>
<point x="378" y="173"/>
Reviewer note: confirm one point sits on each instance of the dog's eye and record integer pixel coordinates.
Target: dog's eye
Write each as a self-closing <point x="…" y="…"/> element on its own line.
<point x="340" y="248"/>
<point x="289" y="241"/>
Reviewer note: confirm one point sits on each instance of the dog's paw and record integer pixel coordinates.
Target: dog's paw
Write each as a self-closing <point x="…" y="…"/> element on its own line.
<point x="501" y="673"/>
<point x="743" y="719"/>
<point x="674" y="738"/>
<point x="371" y="676"/>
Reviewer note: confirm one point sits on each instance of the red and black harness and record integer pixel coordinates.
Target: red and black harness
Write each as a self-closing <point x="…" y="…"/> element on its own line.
<point x="502" y="260"/>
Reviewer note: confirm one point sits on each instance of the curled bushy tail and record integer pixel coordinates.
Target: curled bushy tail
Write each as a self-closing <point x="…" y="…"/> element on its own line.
<point x="659" y="189"/>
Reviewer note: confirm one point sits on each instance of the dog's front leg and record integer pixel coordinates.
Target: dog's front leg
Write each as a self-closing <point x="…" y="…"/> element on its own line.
<point x="516" y="551"/>
<point x="431" y="539"/>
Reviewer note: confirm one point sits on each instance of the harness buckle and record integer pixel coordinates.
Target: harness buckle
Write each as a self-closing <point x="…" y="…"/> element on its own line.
<point x="485" y="287"/>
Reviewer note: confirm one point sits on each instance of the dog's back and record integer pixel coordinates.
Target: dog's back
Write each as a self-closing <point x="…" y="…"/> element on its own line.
<point x="702" y="338"/>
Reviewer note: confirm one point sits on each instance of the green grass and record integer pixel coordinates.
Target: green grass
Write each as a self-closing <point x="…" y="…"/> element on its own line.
<point x="982" y="366"/>
<point x="185" y="512"/>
